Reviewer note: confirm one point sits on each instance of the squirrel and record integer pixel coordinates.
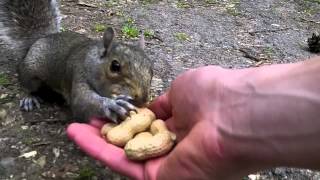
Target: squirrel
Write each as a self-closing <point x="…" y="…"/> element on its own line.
<point x="97" y="78"/>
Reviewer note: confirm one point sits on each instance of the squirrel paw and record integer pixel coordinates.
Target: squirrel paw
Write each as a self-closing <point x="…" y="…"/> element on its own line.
<point x="124" y="101"/>
<point x="28" y="103"/>
<point x="118" y="107"/>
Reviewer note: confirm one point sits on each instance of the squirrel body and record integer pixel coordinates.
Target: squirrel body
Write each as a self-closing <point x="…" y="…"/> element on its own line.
<point x="97" y="78"/>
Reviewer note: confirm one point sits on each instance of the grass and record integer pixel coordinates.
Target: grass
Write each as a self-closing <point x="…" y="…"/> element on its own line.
<point x="148" y="1"/>
<point x="232" y="9"/>
<point x="183" y="4"/>
<point x="309" y="6"/>
<point x="29" y="140"/>
<point x="110" y="3"/>
<point x="182" y="36"/>
<point x="99" y="28"/>
<point x="315" y="1"/>
<point x="269" y="51"/>
<point x="129" y="29"/>
<point x="210" y="2"/>
<point x="85" y="174"/>
<point x="149" y="33"/>
<point x="63" y="29"/>
<point x="4" y="79"/>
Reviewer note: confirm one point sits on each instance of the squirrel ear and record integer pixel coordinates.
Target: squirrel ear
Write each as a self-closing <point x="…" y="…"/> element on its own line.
<point x="142" y="43"/>
<point x="108" y="37"/>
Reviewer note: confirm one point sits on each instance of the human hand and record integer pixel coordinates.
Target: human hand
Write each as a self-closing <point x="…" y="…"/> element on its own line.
<point x="192" y="109"/>
<point x="228" y="123"/>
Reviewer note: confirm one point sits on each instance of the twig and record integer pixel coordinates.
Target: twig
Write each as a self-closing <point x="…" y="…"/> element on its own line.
<point x="267" y="30"/>
<point x="41" y="144"/>
<point x="258" y="63"/>
<point x="157" y="38"/>
<point x="152" y="43"/>
<point x="80" y="3"/>
<point x="249" y="55"/>
<point x="45" y="120"/>
<point x="310" y="20"/>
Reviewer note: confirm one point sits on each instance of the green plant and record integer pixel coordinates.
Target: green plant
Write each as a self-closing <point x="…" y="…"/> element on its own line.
<point x="269" y="51"/>
<point x="183" y="4"/>
<point x="148" y="33"/>
<point x="63" y="29"/>
<point x="99" y="28"/>
<point x="182" y="36"/>
<point x="232" y="9"/>
<point x="85" y="174"/>
<point x="129" y="29"/>
<point x="315" y="1"/>
<point x="309" y="7"/>
<point x="130" y="21"/>
<point x="4" y="80"/>
<point x="119" y="13"/>
<point x="110" y="3"/>
<point x="211" y="1"/>
<point x="148" y="1"/>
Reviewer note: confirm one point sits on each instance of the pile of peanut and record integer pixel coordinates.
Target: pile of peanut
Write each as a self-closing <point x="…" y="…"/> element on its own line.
<point x="141" y="135"/>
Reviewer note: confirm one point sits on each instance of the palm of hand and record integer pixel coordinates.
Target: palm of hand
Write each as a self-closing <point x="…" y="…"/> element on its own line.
<point x="185" y="109"/>
<point x="115" y="158"/>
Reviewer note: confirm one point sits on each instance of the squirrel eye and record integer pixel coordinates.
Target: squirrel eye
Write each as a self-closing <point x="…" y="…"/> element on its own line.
<point x="115" y="66"/>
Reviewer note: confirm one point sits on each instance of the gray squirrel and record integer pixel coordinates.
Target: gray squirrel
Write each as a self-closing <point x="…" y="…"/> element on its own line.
<point x="97" y="78"/>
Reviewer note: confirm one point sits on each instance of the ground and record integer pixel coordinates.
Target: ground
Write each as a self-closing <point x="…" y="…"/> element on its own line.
<point x="180" y="35"/>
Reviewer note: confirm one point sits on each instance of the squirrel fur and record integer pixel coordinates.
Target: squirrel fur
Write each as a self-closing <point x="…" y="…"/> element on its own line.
<point x="97" y="78"/>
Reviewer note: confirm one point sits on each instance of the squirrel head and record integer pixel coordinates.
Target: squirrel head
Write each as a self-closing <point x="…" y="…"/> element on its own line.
<point x="122" y="69"/>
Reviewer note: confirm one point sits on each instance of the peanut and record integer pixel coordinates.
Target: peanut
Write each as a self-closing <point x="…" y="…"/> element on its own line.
<point x="106" y="128"/>
<point x="147" y="145"/>
<point x="138" y="143"/>
<point x="135" y="123"/>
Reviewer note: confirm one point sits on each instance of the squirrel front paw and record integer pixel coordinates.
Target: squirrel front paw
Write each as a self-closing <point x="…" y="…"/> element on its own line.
<point x="119" y="107"/>
<point x="28" y="103"/>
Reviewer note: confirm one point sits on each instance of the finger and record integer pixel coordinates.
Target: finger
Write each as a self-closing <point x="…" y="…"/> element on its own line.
<point x="21" y="103"/>
<point x="24" y="104"/>
<point x="128" y="106"/>
<point x="119" y="110"/>
<point x="170" y="124"/>
<point x="29" y="104"/>
<point x="124" y="97"/>
<point x="76" y="128"/>
<point x="113" y="157"/>
<point x="110" y="116"/>
<point x="180" y="133"/>
<point x="161" y="106"/>
<point x="113" y="117"/>
<point x="36" y="102"/>
<point x="97" y="123"/>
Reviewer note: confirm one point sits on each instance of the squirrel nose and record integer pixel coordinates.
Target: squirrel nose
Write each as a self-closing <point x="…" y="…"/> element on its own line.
<point x="140" y="99"/>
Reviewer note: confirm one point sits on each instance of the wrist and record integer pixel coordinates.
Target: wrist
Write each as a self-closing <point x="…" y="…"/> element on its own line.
<point x="273" y="120"/>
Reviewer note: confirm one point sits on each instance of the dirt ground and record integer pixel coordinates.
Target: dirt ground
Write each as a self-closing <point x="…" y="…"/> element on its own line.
<point x="187" y="34"/>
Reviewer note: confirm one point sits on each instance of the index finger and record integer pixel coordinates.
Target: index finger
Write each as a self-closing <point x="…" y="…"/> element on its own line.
<point x="89" y="140"/>
<point x="161" y="106"/>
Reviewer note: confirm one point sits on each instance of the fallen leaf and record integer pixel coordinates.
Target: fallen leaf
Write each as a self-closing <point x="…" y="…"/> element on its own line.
<point x="29" y="154"/>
